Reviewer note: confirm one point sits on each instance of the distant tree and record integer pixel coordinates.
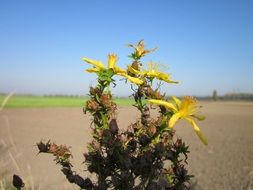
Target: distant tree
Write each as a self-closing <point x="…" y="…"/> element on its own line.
<point x="215" y="96"/>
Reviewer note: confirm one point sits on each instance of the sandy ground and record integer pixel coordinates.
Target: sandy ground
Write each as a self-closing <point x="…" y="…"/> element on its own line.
<point x="226" y="163"/>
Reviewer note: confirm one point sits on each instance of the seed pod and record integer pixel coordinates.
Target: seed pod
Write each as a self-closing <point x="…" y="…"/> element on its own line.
<point x="105" y="100"/>
<point x="53" y="148"/>
<point x="79" y="181"/>
<point x="180" y="172"/>
<point x="152" y="130"/>
<point x="132" y="145"/>
<point x="66" y="170"/>
<point x="149" y="91"/>
<point x="92" y="105"/>
<point x="95" y="91"/>
<point x="159" y="147"/>
<point x="88" y="183"/>
<point x="90" y="168"/>
<point x="95" y="144"/>
<point x="70" y="177"/>
<point x="113" y="126"/>
<point x="178" y="143"/>
<point x="17" y="182"/>
<point x="144" y="140"/>
<point x="88" y="158"/>
<point x="43" y="147"/>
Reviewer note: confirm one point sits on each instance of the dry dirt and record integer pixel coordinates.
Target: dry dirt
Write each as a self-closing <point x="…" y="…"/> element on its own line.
<point x="226" y="163"/>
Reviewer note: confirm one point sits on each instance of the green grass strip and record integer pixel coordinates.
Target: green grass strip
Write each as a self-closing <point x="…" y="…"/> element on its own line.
<point x="20" y="101"/>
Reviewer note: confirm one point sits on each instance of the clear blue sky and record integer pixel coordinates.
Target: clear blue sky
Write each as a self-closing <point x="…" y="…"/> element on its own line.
<point x="207" y="44"/>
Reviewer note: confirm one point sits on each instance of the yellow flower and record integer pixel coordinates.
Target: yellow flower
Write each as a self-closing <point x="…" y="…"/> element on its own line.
<point x="112" y="59"/>
<point x="185" y="109"/>
<point x="152" y="72"/>
<point x="140" y="49"/>
<point x="131" y="79"/>
<point x="93" y="70"/>
<point x="98" y="65"/>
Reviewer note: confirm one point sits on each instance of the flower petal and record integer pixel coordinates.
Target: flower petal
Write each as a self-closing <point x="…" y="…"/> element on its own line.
<point x="93" y="70"/>
<point x="199" y="117"/>
<point x="98" y="64"/>
<point x="132" y="70"/>
<point x="118" y="70"/>
<point x="163" y="103"/>
<point x="177" y="101"/>
<point x="197" y="131"/>
<point x="170" y="81"/>
<point x="174" y="119"/>
<point x="151" y="73"/>
<point x="131" y="79"/>
<point x="165" y="77"/>
<point x="112" y="59"/>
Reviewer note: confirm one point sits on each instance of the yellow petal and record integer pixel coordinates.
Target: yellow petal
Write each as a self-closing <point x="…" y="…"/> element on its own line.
<point x="170" y="81"/>
<point x="151" y="73"/>
<point x="112" y="59"/>
<point x="163" y="103"/>
<point x="174" y="119"/>
<point x="98" y="64"/>
<point x="118" y="70"/>
<point x="131" y="79"/>
<point x="177" y="101"/>
<point x="199" y="117"/>
<point x="132" y="70"/>
<point x="197" y="131"/>
<point x="93" y="70"/>
<point x="165" y="77"/>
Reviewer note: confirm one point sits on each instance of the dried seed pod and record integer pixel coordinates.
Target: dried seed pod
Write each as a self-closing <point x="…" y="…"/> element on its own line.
<point x="132" y="145"/>
<point x="159" y="147"/>
<point x="149" y="91"/>
<point x="92" y="105"/>
<point x="144" y="140"/>
<point x="105" y="100"/>
<point x="79" y="181"/>
<point x="153" y="130"/>
<point x="17" y="182"/>
<point x="53" y="148"/>
<point x="95" y="145"/>
<point x="70" y="177"/>
<point x="88" y="183"/>
<point x="66" y="170"/>
<point x="178" y="143"/>
<point x="180" y="172"/>
<point x="113" y="126"/>
<point x="43" y="147"/>
<point x="95" y="91"/>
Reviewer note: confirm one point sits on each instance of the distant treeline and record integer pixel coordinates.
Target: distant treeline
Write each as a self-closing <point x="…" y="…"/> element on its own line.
<point x="238" y="96"/>
<point x="229" y="96"/>
<point x="63" y="95"/>
<point x="48" y="95"/>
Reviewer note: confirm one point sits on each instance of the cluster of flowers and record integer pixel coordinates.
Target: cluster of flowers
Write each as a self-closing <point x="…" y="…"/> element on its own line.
<point x="182" y="109"/>
<point x="146" y="155"/>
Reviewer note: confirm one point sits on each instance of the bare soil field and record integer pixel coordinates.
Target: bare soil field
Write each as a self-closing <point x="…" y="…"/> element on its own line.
<point x="226" y="163"/>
